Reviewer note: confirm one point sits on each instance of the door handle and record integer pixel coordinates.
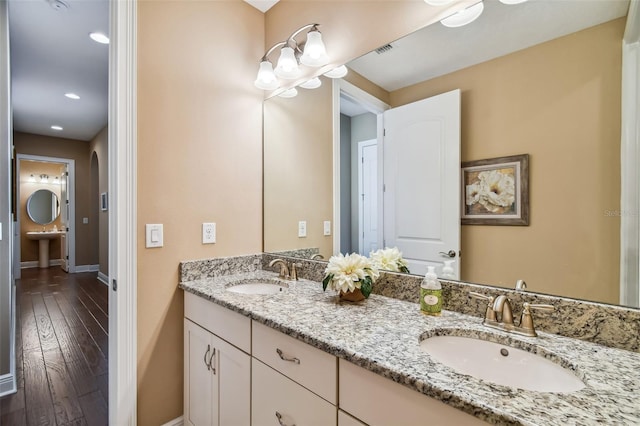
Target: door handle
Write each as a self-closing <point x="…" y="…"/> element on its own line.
<point x="450" y="253"/>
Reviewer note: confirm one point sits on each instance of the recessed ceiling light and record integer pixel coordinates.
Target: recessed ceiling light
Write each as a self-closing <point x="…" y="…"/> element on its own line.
<point x="72" y="96"/>
<point x="99" y="37"/>
<point x="55" y="127"/>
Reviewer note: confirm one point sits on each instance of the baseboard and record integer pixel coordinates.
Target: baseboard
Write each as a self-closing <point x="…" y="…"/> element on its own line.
<point x="34" y="263"/>
<point x="103" y="278"/>
<point x="175" y="422"/>
<point x="87" y="268"/>
<point x="8" y="386"/>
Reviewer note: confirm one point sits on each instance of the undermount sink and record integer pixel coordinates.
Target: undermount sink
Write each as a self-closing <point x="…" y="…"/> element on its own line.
<point x="43" y="235"/>
<point x="262" y="286"/>
<point x="501" y="364"/>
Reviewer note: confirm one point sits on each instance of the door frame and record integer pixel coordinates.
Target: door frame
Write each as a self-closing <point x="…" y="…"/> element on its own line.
<point x="122" y="143"/>
<point x="71" y="233"/>
<point x="361" y="145"/>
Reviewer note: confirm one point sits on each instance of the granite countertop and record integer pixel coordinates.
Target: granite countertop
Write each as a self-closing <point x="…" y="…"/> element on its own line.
<point x="382" y="334"/>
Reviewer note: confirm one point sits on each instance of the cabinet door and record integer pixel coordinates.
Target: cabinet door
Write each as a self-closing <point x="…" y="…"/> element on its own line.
<point x="346" y="420"/>
<point x="277" y="399"/>
<point x="200" y="388"/>
<point x="233" y="373"/>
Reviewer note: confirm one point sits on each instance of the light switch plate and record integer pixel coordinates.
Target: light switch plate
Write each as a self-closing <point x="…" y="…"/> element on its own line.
<point x="154" y="235"/>
<point x="327" y="227"/>
<point x="302" y="228"/>
<point x="208" y="233"/>
<point x="85" y="220"/>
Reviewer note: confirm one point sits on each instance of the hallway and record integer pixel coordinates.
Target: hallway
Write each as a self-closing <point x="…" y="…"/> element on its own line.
<point x="61" y="350"/>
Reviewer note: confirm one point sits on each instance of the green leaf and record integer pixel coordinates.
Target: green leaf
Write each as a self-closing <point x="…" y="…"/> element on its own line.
<point x="404" y="269"/>
<point x="366" y="286"/>
<point x="326" y="281"/>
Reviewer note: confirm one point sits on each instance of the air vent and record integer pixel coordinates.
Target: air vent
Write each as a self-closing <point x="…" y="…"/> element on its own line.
<point x="384" y="49"/>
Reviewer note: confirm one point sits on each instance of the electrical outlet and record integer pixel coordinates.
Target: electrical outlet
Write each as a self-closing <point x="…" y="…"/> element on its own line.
<point x="208" y="233"/>
<point x="327" y="227"/>
<point x="302" y="228"/>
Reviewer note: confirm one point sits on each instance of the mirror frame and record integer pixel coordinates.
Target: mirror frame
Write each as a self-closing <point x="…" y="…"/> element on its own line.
<point x="32" y="214"/>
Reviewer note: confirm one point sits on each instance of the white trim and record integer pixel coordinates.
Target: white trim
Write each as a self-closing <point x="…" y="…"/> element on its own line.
<point x="103" y="278"/>
<point x="359" y="161"/>
<point x="175" y="422"/>
<point x="335" y="86"/>
<point x="34" y="263"/>
<point x="87" y="268"/>
<point x="7" y="384"/>
<point x="122" y="214"/>
<point x="71" y="233"/>
<point x="630" y="159"/>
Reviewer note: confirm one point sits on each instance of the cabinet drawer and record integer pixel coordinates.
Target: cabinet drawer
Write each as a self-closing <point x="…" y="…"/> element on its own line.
<point x="314" y="369"/>
<point x="229" y="325"/>
<point x="361" y="388"/>
<point x="272" y="393"/>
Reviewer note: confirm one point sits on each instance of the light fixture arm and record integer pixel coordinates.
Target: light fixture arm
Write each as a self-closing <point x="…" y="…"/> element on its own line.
<point x="289" y="40"/>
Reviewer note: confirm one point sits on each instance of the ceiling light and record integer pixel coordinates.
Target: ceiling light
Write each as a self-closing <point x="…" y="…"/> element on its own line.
<point x="99" y="38"/>
<point x="512" y="1"/>
<point x="438" y="2"/>
<point x="337" y="72"/>
<point x="314" y="83"/>
<point x="464" y="17"/>
<point x="72" y="96"/>
<point x="266" y="79"/>
<point x="289" y="93"/>
<point x="56" y="127"/>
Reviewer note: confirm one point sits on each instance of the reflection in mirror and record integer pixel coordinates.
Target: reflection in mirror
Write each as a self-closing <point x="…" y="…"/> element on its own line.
<point x="43" y="207"/>
<point x="557" y="100"/>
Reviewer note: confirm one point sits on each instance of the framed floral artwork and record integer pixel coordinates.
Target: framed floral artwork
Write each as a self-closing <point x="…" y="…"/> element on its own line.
<point x="495" y="191"/>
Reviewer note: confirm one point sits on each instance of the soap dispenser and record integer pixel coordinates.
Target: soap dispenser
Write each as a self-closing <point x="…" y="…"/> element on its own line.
<point x="431" y="293"/>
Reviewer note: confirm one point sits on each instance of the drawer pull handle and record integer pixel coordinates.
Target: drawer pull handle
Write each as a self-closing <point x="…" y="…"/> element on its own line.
<point x="207" y="363"/>
<point x="211" y="361"/>
<point x="279" y="416"/>
<point x="284" y="358"/>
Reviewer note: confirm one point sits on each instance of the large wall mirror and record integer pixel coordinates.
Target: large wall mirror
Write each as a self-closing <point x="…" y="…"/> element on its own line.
<point x="556" y="99"/>
<point x="43" y="206"/>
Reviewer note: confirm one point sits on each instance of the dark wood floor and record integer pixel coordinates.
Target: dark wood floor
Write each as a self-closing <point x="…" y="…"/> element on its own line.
<point x="61" y="350"/>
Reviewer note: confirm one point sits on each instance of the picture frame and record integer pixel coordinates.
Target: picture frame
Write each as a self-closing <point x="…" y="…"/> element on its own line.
<point x="104" y="202"/>
<point x="495" y="191"/>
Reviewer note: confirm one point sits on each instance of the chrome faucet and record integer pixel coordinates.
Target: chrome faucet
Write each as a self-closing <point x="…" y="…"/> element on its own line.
<point x="317" y="256"/>
<point x="500" y="316"/>
<point x="284" y="269"/>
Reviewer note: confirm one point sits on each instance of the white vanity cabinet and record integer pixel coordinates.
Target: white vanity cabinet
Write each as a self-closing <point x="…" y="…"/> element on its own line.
<point x="217" y="375"/>
<point x="378" y="401"/>
<point x="293" y="383"/>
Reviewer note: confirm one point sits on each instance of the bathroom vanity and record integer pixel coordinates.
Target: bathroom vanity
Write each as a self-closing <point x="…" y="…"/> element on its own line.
<point x="299" y="355"/>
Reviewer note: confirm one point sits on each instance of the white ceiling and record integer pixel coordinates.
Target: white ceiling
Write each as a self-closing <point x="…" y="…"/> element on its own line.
<point x="52" y="54"/>
<point x="262" y="5"/>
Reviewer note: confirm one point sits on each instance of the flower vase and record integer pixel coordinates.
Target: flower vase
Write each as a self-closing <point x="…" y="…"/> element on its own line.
<point x="352" y="296"/>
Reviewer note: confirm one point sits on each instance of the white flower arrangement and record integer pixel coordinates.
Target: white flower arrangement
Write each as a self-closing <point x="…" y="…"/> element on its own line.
<point x="389" y="259"/>
<point x="495" y="191"/>
<point x="350" y="272"/>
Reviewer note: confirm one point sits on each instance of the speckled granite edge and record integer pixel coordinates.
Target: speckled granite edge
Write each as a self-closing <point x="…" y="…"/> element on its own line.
<point x="303" y="253"/>
<point x="608" y="325"/>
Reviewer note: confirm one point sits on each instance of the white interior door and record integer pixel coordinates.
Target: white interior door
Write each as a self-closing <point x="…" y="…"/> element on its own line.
<point x="368" y="196"/>
<point x="422" y="181"/>
<point x="64" y="217"/>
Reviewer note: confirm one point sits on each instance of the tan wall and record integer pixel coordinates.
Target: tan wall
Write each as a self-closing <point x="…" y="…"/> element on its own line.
<point x="29" y="248"/>
<point x="560" y="103"/>
<point x="199" y="160"/>
<point x="298" y="169"/>
<point x="99" y="146"/>
<point x="27" y="143"/>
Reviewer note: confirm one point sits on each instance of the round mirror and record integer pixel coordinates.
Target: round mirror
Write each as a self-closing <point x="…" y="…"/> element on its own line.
<point x="43" y="207"/>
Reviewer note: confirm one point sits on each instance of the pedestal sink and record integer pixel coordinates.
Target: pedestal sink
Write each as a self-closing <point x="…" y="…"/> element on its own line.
<point x="501" y="364"/>
<point x="43" y="244"/>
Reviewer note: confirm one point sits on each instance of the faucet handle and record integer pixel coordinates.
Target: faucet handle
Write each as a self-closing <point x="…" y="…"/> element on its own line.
<point x="293" y="270"/>
<point x="526" y="320"/>
<point x="490" y="314"/>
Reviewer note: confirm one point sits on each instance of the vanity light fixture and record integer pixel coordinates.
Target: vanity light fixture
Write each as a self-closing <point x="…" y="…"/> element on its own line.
<point x="438" y="2"/>
<point x="72" y="96"/>
<point x="314" y="83"/>
<point x="44" y="178"/>
<point x="464" y="16"/>
<point x="56" y="180"/>
<point x="56" y="127"/>
<point x="337" y="72"/>
<point x="310" y="52"/>
<point x="512" y="1"/>
<point x="289" y="93"/>
<point x="99" y="38"/>
<point x="32" y="178"/>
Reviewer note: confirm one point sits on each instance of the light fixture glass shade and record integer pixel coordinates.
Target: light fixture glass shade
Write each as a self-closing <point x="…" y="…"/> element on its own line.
<point x="464" y="17"/>
<point x="512" y="1"/>
<point x="337" y="72"/>
<point x="437" y="2"/>
<point x="99" y="38"/>
<point x="314" y="83"/>
<point x="315" y="54"/>
<point x="44" y="179"/>
<point x="287" y="64"/>
<point x="32" y="178"/>
<point x="266" y="78"/>
<point x="289" y="93"/>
